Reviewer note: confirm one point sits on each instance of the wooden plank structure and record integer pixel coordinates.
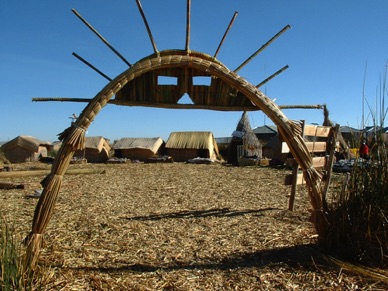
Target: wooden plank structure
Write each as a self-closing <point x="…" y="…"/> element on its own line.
<point x="322" y="150"/>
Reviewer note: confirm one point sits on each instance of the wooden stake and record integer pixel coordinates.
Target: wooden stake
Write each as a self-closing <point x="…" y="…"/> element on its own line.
<point x="15" y="174"/>
<point x="188" y="25"/>
<point x="226" y="32"/>
<point x="272" y="76"/>
<point x="172" y="106"/>
<point x="91" y="66"/>
<point x="101" y="37"/>
<point x="8" y="186"/>
<point x="329" y="167"/>
<point x="147" y="26"/>
<point x="262" y="48"/>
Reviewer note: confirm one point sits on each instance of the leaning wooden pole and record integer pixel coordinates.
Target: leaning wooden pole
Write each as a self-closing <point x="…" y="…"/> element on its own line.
<point x="226" y="33"/>
<point x="262" y="48"/>
<point x="339" y="137"/>
<point x="272" y="76"/>
<point x="147" y="26"/>
<point x="188" y="16"/>
<point x="91" y="66"/>
<point x="101" y="37"/>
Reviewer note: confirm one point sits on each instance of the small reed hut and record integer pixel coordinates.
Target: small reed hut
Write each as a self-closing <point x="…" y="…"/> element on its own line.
<point x="183" y="146"/>
<point x="138" y="148"/>
<point x="271" y="144"/>
<point x="244" y="142"/>
<point x="25" y="149"/>
<point x="96" y="150"/>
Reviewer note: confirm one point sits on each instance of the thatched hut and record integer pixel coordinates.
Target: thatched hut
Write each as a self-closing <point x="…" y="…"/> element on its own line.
<point x="223" y="144"/>
<point x="244" y="142"/>
<point x="271" y="142"/>
<point x="56" y="145"/>
<point x="25" y="149"/>
<point x="138" y="148"/>
<point x="266" y="132"/>
<point x="96" y="150"/>
<point x="183" y="146"/>
<point x="352" y="136"/>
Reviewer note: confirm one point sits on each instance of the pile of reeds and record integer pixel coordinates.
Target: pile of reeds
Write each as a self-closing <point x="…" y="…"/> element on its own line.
<point x="10" y="274"/>
<point x="13" y="272"/>
<point x="11" y="269"/>
<point x="358" y="215"/>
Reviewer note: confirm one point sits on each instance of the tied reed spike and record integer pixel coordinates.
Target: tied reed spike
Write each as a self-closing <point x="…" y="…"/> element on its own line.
<point x="75" y="135"/>
<point x="34" y="242"/>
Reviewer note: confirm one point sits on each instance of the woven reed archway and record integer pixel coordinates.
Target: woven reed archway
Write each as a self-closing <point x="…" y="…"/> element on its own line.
<point x="181" y="63"/>
<point x="138" y="86"/>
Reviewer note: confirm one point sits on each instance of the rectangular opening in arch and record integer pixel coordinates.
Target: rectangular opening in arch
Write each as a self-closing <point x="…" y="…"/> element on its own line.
<point x="202" y="81"/>
<point x="167" y="80"/>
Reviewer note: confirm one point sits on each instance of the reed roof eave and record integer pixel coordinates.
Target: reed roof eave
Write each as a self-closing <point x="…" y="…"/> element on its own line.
<point x="152" y="144"/>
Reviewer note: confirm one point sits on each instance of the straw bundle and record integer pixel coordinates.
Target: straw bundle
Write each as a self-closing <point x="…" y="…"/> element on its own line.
<point x="75" y="136"/>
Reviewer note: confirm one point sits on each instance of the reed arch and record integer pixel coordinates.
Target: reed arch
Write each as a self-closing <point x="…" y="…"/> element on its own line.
<point x="184" y="65"/>
<point x="139" y="86"/>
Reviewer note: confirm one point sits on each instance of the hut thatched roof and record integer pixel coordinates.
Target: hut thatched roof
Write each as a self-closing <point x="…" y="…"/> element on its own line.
<point x="244" y="131"/>
<point x="97" y="142"/>
<point x="152" y="144"/>
<point x="266" y="129"/>
<point x="192" y="140"/>
<point x="27" y="142"/>
<point x="243" y="124"/>
<point x="223" y="140"/>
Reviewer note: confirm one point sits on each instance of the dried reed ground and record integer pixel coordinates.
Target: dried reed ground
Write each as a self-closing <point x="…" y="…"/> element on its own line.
<point x="177" y="227"/>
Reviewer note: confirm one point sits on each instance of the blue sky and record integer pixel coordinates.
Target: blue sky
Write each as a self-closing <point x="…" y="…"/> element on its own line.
<point x="332" y="48"/>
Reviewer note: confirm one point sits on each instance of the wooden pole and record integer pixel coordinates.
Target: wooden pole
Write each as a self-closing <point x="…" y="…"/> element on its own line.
<point x="262" y="48"/>
<point x="272" y="76"/>
<point x="187" y="47"/>
<point x="329" y="166"/>
<point x="101" y="37"/>
<point x="147" y="26"/>
<point x="225" y="34"/>
<point x="16" y="174"/>
<point x="295" y="169"/>
<point x="172" y="105"/>
<point x="91" y="66"/>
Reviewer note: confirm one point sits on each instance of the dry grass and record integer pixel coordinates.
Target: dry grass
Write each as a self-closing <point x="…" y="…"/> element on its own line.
<point x="177" y="227"/>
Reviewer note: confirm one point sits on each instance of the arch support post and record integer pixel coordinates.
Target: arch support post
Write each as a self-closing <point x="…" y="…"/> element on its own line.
<point x="73" y="139"/>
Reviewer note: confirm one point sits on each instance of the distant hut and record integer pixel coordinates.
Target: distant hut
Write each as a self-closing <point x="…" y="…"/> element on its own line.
<point x="223" y="144"/>
<point x="138" y="148"/>
<point x="352" y="136"/>
<point x="244" y="142"/>
<point x="265" y="133"/>
<point x="183" y="146"/>
<point x="56" y="145"/>
<point x="270" y="140"/>
<point x="96" y="150"/>
<point x="25" y="149"/>
<point x="272" y="149"/>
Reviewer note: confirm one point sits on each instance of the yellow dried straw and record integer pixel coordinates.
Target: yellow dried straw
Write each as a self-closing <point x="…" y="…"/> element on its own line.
<point x="73" y="139"/>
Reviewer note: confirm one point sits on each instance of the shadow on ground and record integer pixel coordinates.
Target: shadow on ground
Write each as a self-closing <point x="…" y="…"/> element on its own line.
<point x="307" y="256"/>
<point x="215" y="212"/>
